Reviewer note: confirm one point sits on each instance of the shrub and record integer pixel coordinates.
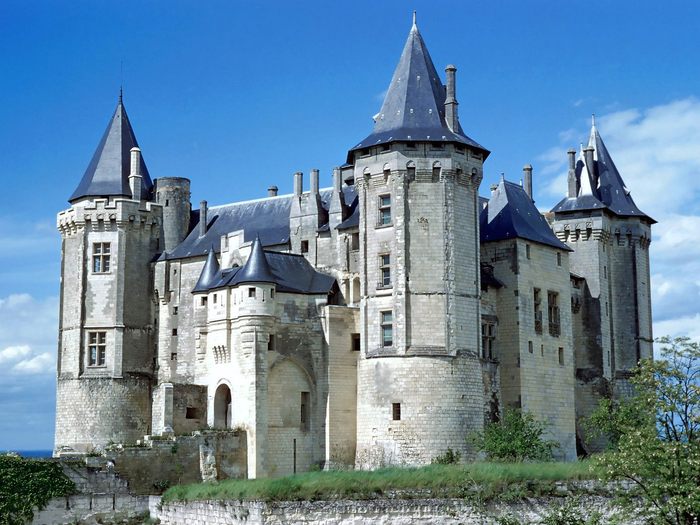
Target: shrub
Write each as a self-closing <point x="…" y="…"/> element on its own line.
<point x="448" y="458"/>
<point x="516" y="437"/>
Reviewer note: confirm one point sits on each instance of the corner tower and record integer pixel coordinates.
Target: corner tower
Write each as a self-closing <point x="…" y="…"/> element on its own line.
<point x="417" y="176"/>
<point x="610" y="238"/>
<point x="110" y="235"/>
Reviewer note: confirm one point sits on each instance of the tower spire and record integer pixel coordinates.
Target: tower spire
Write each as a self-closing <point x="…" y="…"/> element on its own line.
<point x="415" y="26"/>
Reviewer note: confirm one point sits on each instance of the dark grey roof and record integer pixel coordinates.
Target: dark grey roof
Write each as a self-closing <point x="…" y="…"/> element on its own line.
<point x="266" y="218"/>
<point x="414" y="105"/>
<point x="488" y="279"/>
<point x="353" y="219"/>
<point x="256" y="269"/>
<point x="290" y="273"/>
<point x="211" y="273"/>
<point x="607" y="189"/>
<point x="107" y="174"/>
<point x="511" y="214"/>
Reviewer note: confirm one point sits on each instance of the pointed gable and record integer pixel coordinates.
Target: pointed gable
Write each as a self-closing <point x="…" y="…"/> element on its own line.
<point x="414" y="105"/>
<point x="256" y="269"/>
<point x="107" y="174"/>
<point x="510" y="214"/>
<point x="211" y="273"/>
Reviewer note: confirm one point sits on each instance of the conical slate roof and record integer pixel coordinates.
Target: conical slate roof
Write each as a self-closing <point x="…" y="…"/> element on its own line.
<point x="414" y="105"/>
<point x="107" y="174"/>
<point x="256" y="269"/>
<point x="601" y="185"/>
<point x="210" y="273"/>
<point x="510" y="214"/>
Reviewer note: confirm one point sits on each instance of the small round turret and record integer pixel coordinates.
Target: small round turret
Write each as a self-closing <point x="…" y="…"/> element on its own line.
<point x="173" y="193"/>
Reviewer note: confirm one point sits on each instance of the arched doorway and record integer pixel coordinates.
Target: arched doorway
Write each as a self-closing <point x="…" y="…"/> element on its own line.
<point x="222" y="407"/>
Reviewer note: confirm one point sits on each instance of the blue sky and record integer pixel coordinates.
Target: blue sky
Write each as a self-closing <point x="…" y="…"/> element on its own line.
<point x="237" y="96"/>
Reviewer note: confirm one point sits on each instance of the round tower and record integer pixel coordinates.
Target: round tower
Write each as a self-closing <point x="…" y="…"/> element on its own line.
<point x="173" y="193"/>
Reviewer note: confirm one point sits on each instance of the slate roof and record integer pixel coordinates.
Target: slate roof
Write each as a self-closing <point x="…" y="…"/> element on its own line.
<point x="211" y="273"/>
<point x="267" y="218"/>
<point x="107" y="175"/>
<point x="289" y="272"/>
<point x="511" y="214"/>
<point x="601" y="185"/>
<point x="414" y="105"/>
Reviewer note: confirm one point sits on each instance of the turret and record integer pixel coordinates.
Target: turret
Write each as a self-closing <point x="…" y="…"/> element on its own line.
<point x="173" y="194"/>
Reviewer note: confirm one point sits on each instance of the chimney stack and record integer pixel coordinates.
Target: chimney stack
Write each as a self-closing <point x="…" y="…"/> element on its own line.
<point x="571" y="179"/>
<point x="298" y="183"/>
<point x="272" y="191"/>
<point x="337" y="180"/>
<point x="314" y="182"/>
<point x="135" y="178"/>
<point x="203" y="218"/>
<point x="450" y="100"/>
<point x="527" y="180"/>
<point x="590" y="164"/>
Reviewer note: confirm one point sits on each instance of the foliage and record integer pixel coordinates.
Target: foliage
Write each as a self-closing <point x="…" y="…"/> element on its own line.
<point x="450" y="457"/>
<point x="516" y="437"/>
<point x="485" y="481"/>
<point x="26" y="484"/>
<point x="657" y="435"/>
<point x="570" y="514"/>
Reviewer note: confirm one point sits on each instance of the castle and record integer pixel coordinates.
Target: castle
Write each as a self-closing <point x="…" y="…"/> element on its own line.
<point x="376" y="322"/>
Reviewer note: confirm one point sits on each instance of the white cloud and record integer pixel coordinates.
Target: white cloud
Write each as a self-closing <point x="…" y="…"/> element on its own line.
<point x="656" y="151"/>
<point x="40" y="364"/>
<point x="12" y="353"/>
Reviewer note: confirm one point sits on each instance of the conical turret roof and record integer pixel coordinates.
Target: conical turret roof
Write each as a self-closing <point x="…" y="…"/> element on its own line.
<point x="414" y="105"/>
<point x="107" y="174"/>
<point x="210" y="273"/>
<point x="256" y="269"/>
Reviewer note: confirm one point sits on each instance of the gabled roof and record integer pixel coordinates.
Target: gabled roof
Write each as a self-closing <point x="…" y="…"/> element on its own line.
<point x="601" y="186"/>
<point x="256" y="269"/>
<point x="510" y="214"/>
<point x="107" y="175"/>
<point x="414" y="105"/>
<point x="267" y="218"/>
<point x="211" y="273"/>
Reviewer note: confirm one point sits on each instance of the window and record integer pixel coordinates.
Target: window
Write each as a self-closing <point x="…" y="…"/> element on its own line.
<point x="304" y="412"/>
<point x="537" y="302"/>
<point x="488" y="338"/>
<point x="272" y="293"/>
<point x="251" y="292"/>
<point x="191" y="413"/>
<point x="558" y="259"/>
<point x="527" y="251"/>
<point x="387" y="328"/>
<point x="436" y="173"/>
<point x="203" y="301"/>
<point x="355" y="241"/>
<point x="304" y="246"/>
<point x="396" y="411"/>
<point x="271" y="343"/>
<point x="215" y="298"/>
<point x="167" y="202"/>
<point x="561" y="356"/>
<point x="97" y="348"/>
<point x="384" y="210"/>
<point x="174" y="310"/>
<point x="355" y="342"/>
<point x="553" y="313"/>
<point x="605" y="272"/>
<point x="529" y="347"/>
<point x="174" y="331"/>
<point x="385" y="270"/>
<point x="173" y="356"/>
<point x="100" y="257"/>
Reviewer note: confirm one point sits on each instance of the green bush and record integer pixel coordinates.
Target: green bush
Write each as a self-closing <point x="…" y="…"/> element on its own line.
<point x="516" y="437"/>
<point x="448" y="458"/>
<point x="26" y="484"/>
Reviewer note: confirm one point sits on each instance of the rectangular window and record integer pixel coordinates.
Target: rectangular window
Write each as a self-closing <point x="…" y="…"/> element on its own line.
<point x="558" y="259"/>
<point x="203" y="301"/>
<point x="100" y="257"/>
<point x="561" y="356"/>
<point x="215" y="298"/>
<point x="384" y="210"/>
<point x="251" y="292"/>
<point x="355" y="242"/>
<point x="173" y="356"/>
<point x="304" y="412"/>
<point x="488" y="339"/>
<point x="355" y="342"/>
<point x="396" y="411"/>
<point x="385" y="270"/>
<point x="529" y="347"/>
<point x="304" y="246"/>
<point x="387" y="325"/>
<point x="174" y="331"/>
<point x="191" y="413"/>
<point x="271" y="343"/>
<point x="97" y="348"/>
<point x="553" y="313"/>
<point x="527" y="251"/>
<point x="537" y="303"/>
<point x="174" y="310"/>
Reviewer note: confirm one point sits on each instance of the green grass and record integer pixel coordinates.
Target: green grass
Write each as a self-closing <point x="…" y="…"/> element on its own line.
<point x="481" y="481"/>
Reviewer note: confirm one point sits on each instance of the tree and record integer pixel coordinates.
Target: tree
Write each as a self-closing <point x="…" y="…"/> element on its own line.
<point x="516" y="437"/>
<point x="655" y="435"/>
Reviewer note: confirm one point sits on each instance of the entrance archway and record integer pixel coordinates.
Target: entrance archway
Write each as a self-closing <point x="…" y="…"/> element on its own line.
<point x="222" y="407"/>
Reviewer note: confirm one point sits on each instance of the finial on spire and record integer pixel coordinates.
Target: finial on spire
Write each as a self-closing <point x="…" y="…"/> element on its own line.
<point x="414" y="18"/>
<point x="121" y="93"/>
<point x="593" y="119"/>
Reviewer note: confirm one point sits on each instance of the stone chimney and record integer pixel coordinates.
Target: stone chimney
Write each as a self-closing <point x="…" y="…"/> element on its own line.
<point x="450" y="100"/>
<point x="338" y="210"/>
<point x="590" y="164"/>
<point x="203" y="218"/>
<point x="272" y="191"/>
<point x="298" y="183"/>
<point x="527" y="180"/>
<point x="314" y="182"/>
<point x="571" y="179"/>
<point x="135" y="178"/>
